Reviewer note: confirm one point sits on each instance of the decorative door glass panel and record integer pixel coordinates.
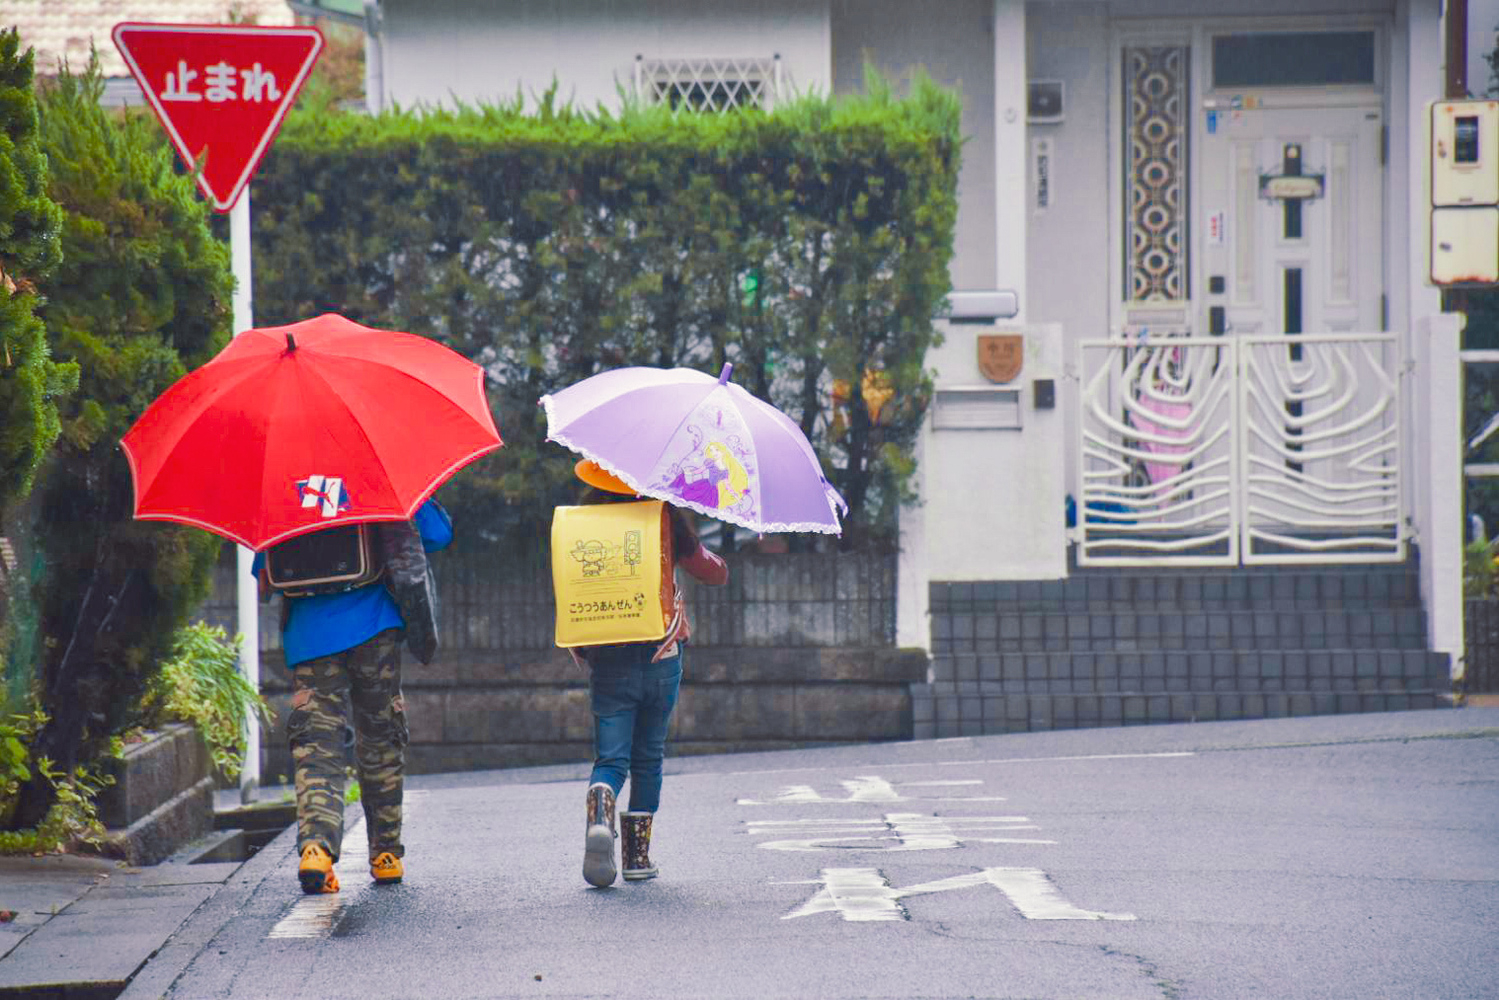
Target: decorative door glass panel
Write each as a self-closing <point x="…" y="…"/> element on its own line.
<point x="1156" y="114"/>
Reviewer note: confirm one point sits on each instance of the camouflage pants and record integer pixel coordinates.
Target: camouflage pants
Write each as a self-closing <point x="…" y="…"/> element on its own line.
<point x="370" y="673"/>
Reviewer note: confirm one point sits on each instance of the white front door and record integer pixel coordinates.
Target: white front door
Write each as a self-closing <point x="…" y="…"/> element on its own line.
<point x="1292" y="226"/>
<point x="1248" y="408"/>
<point x="1292" y="238"/>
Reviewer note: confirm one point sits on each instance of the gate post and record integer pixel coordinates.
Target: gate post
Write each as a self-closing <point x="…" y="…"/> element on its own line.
<point x="1436" y="412"/>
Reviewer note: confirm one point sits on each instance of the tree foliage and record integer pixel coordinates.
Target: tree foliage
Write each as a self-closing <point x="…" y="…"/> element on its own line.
<point x="30" y="380"/>
<point x="141" y="296"/>
<point x="1480" y="401"/>
<point x="808" y="246"/>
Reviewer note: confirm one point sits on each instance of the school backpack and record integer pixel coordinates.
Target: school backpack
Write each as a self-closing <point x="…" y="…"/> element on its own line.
<point x="612" y="573"/>
<point x="340" y="559"/>
<point x="330" y="561"/>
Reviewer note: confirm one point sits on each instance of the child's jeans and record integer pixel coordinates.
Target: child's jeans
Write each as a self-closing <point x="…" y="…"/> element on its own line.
<point x="632" y="700"/>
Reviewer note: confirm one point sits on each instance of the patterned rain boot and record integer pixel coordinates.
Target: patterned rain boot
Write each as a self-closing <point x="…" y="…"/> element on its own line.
<point x="637" y="846"/>
<point x="598" y="845"/>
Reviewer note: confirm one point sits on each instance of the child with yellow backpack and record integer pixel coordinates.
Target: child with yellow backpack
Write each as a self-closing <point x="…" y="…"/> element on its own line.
<point x="619" y="612"/>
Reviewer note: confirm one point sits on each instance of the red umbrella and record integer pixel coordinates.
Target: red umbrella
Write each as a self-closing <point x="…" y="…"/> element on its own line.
<point x="292" y="429"/>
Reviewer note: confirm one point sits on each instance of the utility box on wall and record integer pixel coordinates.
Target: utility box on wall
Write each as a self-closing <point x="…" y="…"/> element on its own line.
<point x="1463" y="157"/>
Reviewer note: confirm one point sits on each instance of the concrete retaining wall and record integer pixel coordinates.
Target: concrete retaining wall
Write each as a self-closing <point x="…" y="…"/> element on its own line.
<point x="162" y="797"/>
<point x="796" y="651"/>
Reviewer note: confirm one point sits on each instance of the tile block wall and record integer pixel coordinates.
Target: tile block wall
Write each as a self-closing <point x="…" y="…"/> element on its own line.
<point x="1108" y="648"/>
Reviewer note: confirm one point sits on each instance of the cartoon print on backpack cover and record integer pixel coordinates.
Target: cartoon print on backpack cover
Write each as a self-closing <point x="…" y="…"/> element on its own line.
<point x="601" y="558"/>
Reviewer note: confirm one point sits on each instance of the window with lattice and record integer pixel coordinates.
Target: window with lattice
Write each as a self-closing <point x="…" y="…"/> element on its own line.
<point x="709" y="84"/>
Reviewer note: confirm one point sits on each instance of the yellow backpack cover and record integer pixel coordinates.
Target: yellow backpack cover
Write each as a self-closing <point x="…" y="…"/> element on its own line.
<point x="612" y="573"/>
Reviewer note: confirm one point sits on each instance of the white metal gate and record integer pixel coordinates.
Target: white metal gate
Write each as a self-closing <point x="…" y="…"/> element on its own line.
<point x="1240" y="449"/>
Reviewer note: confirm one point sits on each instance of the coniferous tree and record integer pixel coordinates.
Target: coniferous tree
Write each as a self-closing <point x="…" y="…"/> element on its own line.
<point x="30" y="380"/>
<point x="142" y="296"/>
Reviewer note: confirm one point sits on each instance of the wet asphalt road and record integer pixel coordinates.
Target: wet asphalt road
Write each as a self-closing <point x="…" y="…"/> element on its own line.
<point x="1353" y="856"/>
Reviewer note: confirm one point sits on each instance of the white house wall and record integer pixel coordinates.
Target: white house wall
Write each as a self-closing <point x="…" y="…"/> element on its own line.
<point x="490" y="51"/>
<point x="954" y="43"/>
<point x="1068" y="242"/>
<point x="991" y="497"/>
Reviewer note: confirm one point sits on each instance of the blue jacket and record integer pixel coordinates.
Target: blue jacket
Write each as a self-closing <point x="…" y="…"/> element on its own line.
<point x="331" y="623"/>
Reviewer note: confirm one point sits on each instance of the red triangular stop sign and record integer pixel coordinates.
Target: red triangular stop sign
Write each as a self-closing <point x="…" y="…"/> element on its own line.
<point x="221" y="91"/>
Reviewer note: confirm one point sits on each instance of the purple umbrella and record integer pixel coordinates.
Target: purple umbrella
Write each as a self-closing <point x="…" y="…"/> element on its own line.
<point x="682" y="436"/>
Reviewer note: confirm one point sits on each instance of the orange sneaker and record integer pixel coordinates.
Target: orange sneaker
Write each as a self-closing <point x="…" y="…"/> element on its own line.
<point x="316" y="870"/>
<point x="386" y="867"/>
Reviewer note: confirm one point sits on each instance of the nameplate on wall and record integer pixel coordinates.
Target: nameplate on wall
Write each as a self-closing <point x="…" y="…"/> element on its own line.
<point x="976" y="409"/>
<point x="1001" y="356"/>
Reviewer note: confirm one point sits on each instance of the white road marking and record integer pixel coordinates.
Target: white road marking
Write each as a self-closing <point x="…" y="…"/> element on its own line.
<point x="855" y="893"/>
<point x="863" y="894"/>
<point x="316" y="916"/>
<point x="1090" y="756"/>
<point x="869" y="788"/>
<point x="310" y="917"/>
<point x="896" y="832"/>
<point x="949" y="763"/>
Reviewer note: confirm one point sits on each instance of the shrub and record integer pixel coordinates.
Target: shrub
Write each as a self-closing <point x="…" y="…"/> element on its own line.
<point x="202" y="684"/>
<point x="72" y="816"/>
<point x="1480" y="576"/>
<point x="808" y="246"/>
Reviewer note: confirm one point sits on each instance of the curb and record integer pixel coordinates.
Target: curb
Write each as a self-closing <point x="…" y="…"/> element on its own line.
<point x="165" y="966"/>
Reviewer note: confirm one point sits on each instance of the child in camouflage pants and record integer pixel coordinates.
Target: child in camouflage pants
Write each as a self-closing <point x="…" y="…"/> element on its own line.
<point x="371" y="675"/>
<point x="341" y="643"/>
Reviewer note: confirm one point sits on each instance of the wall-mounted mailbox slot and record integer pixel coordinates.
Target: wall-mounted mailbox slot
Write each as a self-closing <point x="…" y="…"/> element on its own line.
<point x="976" y="409"/>
<point x="981" y="307"/>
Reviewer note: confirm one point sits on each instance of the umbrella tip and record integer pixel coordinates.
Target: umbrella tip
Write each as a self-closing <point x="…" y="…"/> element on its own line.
<point x="291" y="342"/>
<point x="723" y="376"/>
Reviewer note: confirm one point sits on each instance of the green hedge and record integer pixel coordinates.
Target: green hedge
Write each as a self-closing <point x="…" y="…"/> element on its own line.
<point x="808" y="247"/>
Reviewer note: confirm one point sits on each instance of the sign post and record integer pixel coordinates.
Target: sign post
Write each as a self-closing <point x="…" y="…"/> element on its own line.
<point x="221" y="92"/>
